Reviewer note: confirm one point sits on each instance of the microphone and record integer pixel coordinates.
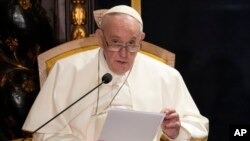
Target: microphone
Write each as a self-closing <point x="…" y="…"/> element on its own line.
<point x="106" y="78"/>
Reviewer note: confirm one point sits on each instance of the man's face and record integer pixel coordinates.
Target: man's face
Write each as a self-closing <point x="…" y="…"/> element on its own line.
<point x="120" y="33"/>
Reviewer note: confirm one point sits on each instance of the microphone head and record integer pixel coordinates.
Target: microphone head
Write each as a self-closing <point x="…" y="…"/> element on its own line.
<point x="106" y="78"/>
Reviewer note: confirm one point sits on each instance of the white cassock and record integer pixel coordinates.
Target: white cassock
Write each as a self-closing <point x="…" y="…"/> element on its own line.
<point x="150" y="86"/>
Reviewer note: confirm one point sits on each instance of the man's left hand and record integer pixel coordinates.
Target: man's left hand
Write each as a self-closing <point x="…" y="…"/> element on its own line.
<point x="171" y="123"/>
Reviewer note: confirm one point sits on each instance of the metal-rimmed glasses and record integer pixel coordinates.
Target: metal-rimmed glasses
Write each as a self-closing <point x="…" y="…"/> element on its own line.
<point x="117" y="46"/>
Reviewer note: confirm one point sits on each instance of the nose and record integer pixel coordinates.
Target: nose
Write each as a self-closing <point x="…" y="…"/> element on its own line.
<point x="123" y="52"/>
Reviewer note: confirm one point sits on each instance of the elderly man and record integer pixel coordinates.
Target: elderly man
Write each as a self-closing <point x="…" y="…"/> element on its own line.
<point x="139" y="83"/>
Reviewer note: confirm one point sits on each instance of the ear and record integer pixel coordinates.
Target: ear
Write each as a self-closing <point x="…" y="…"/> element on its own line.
<point x="142" y="36"/>
<point x="99" y="35"/>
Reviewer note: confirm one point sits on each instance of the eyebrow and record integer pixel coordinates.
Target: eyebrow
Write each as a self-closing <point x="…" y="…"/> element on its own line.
<point x="117" y="37"/>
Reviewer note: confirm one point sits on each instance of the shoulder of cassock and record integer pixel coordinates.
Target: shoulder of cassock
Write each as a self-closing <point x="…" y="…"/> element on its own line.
<point x="55" y="87"/>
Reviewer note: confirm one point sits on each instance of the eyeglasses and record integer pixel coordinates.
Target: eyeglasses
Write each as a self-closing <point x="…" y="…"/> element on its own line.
<point x="116" y="46"/>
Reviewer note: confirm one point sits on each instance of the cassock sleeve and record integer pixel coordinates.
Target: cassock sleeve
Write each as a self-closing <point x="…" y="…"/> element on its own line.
<point x="193" y="124"/>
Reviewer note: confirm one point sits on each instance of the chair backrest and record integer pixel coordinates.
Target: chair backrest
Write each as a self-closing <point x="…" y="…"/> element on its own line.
<point x="47" y="59"/>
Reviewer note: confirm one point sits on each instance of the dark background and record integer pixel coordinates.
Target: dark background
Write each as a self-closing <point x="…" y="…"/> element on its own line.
<point x="211" y="40"/>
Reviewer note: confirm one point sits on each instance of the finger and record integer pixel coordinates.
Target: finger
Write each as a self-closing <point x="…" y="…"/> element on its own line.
<point x="171" y="116"/>
<point x="167" y="110"/>
<point x="172" y="125"/>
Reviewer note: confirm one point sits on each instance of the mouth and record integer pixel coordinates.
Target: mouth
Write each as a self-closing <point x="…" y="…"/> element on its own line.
<point x="122" y="62"/>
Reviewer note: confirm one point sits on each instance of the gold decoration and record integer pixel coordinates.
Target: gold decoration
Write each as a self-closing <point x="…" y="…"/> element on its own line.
<point x="12" y="43"/>
<point x="79" y="32"/>
<point x="25" y="4"/>
<point x="28" y="85"/>
<point x="78" y="19"/>
<point x="78" y="1"/>
<point x="78" y="15"/>
<point x="136" y="4"/>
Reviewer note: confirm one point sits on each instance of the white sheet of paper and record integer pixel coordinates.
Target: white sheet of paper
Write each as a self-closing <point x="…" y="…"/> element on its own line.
<point x="128" y="125"/>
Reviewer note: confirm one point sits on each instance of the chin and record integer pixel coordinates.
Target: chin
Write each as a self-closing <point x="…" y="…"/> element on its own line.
<point x="120" y="72"/>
